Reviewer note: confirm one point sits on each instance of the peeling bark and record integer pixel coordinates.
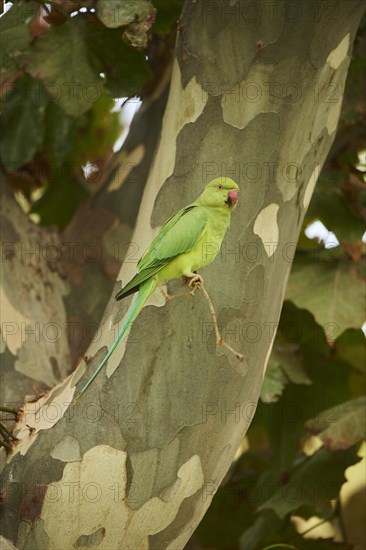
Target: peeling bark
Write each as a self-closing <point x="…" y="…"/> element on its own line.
<point x="146" y="447"/>
<point x="100" y="235"/>
<point x="35" y="353"/>
<point x="55" y="286"/>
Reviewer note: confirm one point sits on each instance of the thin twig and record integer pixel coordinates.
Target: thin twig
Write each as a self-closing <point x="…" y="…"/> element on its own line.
<point x="197" y="282"/>
<point x="325" y="520"/>
<point x="340" y="518"/>
<point x="328" y="519"/>
<point x="219" y="340"/>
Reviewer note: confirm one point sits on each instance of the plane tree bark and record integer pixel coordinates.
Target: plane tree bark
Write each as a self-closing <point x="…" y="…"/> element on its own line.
<point x="56" y="284"/>
<point x="255" y="94"/>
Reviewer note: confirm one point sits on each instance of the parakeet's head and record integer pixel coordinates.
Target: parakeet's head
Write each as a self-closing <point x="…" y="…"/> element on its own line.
<point x="220" y="192"/>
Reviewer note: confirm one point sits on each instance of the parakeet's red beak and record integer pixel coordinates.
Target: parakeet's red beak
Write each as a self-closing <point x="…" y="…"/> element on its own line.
<point x="232" y="197"/>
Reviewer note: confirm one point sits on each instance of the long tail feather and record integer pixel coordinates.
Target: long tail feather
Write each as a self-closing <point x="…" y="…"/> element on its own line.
<point x="146" y="289"/>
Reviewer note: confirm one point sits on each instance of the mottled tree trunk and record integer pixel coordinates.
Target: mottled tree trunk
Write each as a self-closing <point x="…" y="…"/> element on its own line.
<point x="55" y="286"/>
<point x="255" y="95"/>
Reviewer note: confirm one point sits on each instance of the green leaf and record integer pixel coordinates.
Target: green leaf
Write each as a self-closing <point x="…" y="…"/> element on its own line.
<point x="285" y="365"/>
<point x="316" y="544"/>
<point x="342" y="426"/>
<point x="125" y="68"/>
<point x="116" y="13"/>
<point x="167" y="15"/>
<point x="264" y="529"/>
<point x="315" y="482"/>
<point x="271" y="464"/>
<point x="351" y="347"/>
<point x="23" y="111"/>
<point x="268" y="532"/>
<point x="60" y="199"/>
<point x="231" y="505"/>
<point x="299" y="328"/>
<point x="15" y="36"/>
<point x="68" y="76"/>
<point x="282" y="422"/>
<point x="60" y="133"/>
<point x="273" y="383"/>
<point x="354" y="94"/>
<point x="97" y="131"/>
<point x="333" y="291"/>
<point x="331" y="209"/>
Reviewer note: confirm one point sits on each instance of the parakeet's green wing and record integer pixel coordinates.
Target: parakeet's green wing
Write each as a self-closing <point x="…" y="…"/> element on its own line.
<point x="178" y="235"/>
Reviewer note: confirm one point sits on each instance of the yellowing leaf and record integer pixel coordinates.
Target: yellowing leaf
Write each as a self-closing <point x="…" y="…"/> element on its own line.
<point x="332" y="291"/>
<point x="60" y="60"/>
<point x="341" y="426"/>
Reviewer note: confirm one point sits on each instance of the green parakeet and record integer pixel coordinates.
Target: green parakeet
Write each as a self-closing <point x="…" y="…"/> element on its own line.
<point x="189" y="240"/>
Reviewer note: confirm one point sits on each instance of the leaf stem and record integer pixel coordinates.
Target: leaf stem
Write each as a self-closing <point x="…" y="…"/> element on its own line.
<point x="339" y="515"/>
<point x="280" y="545"/>
<point x="324" y="520"/>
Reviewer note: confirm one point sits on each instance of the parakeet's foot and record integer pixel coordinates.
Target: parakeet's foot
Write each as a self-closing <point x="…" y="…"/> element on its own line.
<point x="168" y="297"/>
<point x="195" y="281"/>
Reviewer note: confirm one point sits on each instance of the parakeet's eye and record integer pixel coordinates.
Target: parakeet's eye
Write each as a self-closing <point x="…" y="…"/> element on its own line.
<point x="219" y="187"/>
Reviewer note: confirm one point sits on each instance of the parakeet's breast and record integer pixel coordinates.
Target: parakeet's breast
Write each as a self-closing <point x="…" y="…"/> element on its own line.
<point x="211" y="241"/>
<point x="204" y="251"/>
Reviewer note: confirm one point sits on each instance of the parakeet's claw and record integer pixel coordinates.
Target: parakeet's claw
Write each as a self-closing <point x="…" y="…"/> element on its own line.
<point x="195" y="281"/>
<point x="168" y="297"/>
<point x="165" y="293"/>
